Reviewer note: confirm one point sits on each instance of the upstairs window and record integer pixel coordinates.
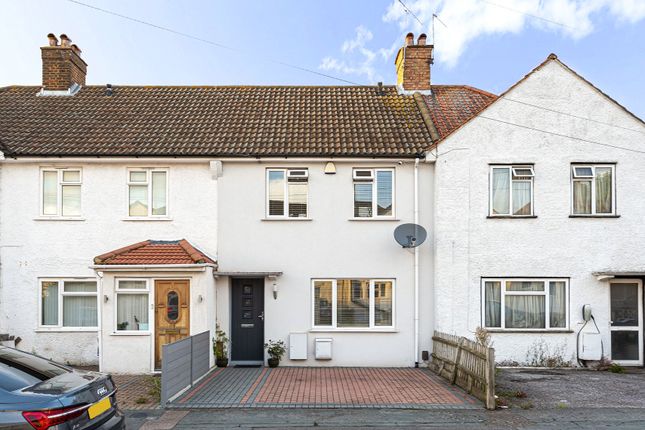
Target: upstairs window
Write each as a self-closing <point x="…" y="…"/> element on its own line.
<point x="373" y="193"/>
<point x="147" y="193"/>
<point x="287" y="193"/>
<point x="61" y="193"/>
<point x="511" y="191"/>
<point x="592" y="189"/>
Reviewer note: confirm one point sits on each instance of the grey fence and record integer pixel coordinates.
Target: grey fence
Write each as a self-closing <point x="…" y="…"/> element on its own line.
<point x="182" y="363"/>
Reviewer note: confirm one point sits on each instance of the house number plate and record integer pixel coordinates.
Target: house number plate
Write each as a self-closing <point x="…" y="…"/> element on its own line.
<point x="248" y="325"/>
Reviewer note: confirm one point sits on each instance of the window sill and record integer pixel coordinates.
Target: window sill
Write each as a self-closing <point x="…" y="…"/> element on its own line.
<point x="511" y="216"/>
<point x="66" y="329"/>
<point x="538" y="330"/>
<point x="58" y="218"/>
<point x="374" y="219"/>
<point x="353" y="330"/>
<point x="131" y="333"/>
<point x="594" y="216"/>
<point x="287" y="219"/>
<point x="155" y="219"/>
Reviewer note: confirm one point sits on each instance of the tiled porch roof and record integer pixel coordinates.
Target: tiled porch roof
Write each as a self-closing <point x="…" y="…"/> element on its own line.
<point x="155" y="252"/>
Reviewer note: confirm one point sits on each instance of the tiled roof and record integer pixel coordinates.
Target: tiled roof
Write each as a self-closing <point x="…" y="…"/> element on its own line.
<point x="451" y="106"/>
<point x="152" y="252"/>
<point x="212" y="121"/>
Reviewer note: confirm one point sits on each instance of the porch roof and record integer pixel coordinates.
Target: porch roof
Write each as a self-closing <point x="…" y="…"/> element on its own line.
<point x="155" y="252"/>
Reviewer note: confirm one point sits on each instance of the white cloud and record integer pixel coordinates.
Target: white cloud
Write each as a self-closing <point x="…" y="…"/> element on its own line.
<point x="361" y="65"/>
<point x="467" y="20"/>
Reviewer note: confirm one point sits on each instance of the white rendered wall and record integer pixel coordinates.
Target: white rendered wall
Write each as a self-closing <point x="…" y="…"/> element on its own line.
<point x="330" y="245"/>
<point x="31" y="249"/>
<point x="469" y="246"/>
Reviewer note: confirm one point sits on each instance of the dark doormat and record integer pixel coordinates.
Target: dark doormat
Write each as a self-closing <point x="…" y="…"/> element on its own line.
<point x="247" y="365"/>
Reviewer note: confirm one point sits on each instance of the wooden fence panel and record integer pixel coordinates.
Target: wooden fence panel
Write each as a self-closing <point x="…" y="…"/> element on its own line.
<point x="466" y="364"/>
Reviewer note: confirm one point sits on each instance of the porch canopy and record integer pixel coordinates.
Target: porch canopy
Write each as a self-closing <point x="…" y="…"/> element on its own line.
<point x="611" y="274"/>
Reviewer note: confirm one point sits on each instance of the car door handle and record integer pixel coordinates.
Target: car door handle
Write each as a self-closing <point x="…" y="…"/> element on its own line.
<point x="261" y="316"/>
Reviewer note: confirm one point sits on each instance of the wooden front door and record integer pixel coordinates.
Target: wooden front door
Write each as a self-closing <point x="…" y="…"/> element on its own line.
<point x="172" y="314"/>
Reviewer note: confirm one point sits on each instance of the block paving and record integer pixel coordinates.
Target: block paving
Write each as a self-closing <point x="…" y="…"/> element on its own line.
<point x="333" y="387"/>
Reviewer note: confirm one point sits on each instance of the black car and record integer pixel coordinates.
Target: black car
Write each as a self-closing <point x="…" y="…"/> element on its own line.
<point x="39" y="394"/>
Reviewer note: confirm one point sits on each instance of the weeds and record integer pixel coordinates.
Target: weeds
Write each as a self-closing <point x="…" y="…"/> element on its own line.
<point x="482" y="337"/>
<point x="154" y="382"/>
<point x="526" y="405"/>
<point x="616" y="368"/>
<point x="141" y="400"/>
<point x="541" y="355"/>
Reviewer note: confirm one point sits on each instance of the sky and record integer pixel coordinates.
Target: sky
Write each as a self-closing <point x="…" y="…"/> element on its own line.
<point x="489" y="44"/>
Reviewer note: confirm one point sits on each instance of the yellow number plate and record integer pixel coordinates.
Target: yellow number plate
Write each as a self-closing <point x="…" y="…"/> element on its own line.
<point x="98" y="408"/>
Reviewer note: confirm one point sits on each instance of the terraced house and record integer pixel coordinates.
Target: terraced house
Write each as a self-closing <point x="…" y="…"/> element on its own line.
<point x="132" y="217"/>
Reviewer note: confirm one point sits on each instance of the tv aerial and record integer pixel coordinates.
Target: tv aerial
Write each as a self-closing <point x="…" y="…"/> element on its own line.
<point x="410" y="235"/>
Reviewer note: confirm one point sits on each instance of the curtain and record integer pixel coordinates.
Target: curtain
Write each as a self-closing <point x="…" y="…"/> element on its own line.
<point x="159" y="193"/>
<point x="524" y="311"/>
<point x="79" y="311"/>
<point x="501" y="186"/>
<point x="71" y="195"/>
<point x="521" y="198"/>
<point x="603" y="190"/>
<point x="363" y="200"/>
<point x="50" y="192"/>
<point x="276" y="192"/>
<point x="352" y="298"/>
<point x="384" y="192"/>
<point x="493" y="300"/>
<point x="557" y="304"/>
<point x="322" y="303"/>
<point x="49" y="303"/>
<point x="131" y="311"/>
<point x="582" y="197"/>
<point x="383" y="304"/>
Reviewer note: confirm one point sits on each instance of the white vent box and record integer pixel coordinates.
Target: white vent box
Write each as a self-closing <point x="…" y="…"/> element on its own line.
<point x="323" y="349"/>
<point x="298" y="346"/>
<point x="590" y="346"/>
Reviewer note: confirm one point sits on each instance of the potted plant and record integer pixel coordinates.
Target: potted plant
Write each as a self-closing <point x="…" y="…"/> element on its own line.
<point x="276" y="350"/>
<point x="220" y="347"/>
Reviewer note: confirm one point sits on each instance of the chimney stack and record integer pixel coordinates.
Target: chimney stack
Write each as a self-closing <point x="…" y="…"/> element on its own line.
<point x="413" y="64"/>
<point x="63" y="67"/>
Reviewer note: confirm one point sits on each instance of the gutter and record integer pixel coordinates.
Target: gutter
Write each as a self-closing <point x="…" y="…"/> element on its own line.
<point x="203" y="160"/>
<point x="152" y="267"/>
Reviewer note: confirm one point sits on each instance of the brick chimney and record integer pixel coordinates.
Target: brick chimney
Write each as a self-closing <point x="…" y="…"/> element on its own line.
<point x="413" y="64"/>
<point x="62" y="64"/>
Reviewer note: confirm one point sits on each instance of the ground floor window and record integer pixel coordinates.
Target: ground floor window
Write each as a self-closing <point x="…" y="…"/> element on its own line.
<point x="132" y="304"/>
<point x="68" y="303"/>
<point x="529" y="304"/>
<point x="353" y="303"/>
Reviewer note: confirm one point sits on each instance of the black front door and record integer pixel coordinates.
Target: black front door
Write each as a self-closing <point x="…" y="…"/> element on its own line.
<point x="247" y="333"/>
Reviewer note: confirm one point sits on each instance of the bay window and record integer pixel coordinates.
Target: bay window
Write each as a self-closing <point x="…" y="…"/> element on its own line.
<point x="68" y="303"/>
<point x="525" y="304"/>
<point x="287" y="193"/>
<point x="511" y="191"/>
<point x="132" y="304"/>
<point x="147" y="192"/>
<point x="60" y="192"/>
<point x="353" y="303"/>
<point x="373" y="193"/>
<point x="592" y="189"/>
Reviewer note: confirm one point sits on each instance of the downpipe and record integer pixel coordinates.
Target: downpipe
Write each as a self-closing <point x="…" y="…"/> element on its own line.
<point x="416" y="265"/>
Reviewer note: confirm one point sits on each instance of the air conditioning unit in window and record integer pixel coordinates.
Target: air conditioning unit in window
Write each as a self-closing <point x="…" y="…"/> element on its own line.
<point x="297" y="175"/>
<point x="363" y="175"/>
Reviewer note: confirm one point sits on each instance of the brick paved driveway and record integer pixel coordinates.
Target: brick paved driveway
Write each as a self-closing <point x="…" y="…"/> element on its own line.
<point x="300" y="387"/>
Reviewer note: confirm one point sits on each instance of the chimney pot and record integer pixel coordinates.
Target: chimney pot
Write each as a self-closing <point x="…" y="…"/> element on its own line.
<point x="422" y="39"/>
<point x="413" y="64"/>
<point x="65" y="41"/>
<point x="409" y="39"/>
<point x="76" y="49"/>
<point x="53" y="41"/>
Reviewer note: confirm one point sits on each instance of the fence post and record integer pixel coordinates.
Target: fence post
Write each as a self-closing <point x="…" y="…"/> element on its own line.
<point x="453" y="377"/>
<point x="490" y="378"/>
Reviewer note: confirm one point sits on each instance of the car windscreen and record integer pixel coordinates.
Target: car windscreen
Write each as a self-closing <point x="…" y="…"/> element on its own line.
<point x="19" y="370"/>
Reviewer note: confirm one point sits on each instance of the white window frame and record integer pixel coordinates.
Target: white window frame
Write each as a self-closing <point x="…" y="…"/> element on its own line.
<point x="512" y="178"/>
<point x="584" y="178"/>
<point x="547" y="309"/>
<point x="130" y="291"/>
<point x="285" y="210"/>
<point x="148" y="183"/>
<point x="334" y="297"/>
<point x="59" y="191"/>
<point x="374" y="181"/>
<point x="61" y="293"/>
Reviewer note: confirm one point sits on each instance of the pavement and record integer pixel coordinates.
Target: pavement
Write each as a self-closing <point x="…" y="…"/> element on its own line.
<point x="560" y="419"/>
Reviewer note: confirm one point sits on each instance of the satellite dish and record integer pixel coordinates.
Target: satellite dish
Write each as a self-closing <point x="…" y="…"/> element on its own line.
<point x="410" y="235"/>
